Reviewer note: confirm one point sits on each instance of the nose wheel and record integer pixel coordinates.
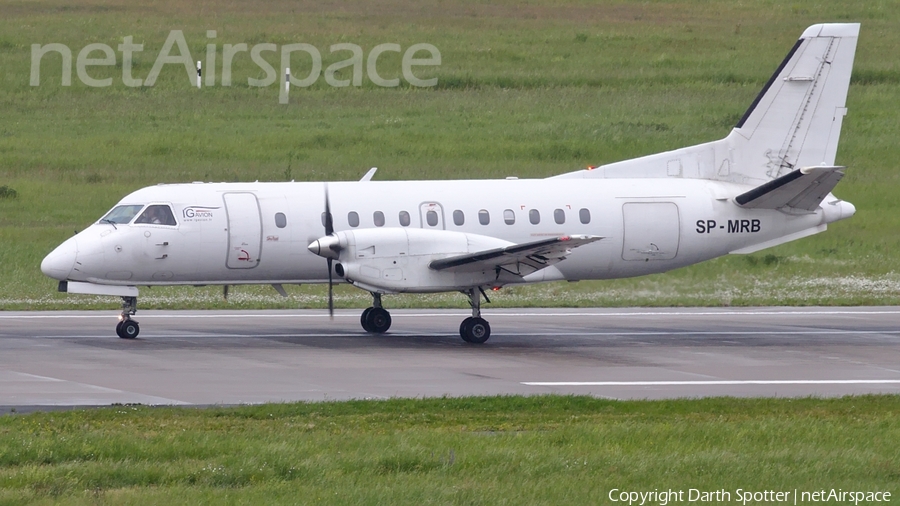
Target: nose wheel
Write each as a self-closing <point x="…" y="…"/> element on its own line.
<point x="128" y="328"/>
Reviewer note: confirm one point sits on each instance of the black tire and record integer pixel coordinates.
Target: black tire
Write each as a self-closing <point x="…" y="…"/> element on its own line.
<point x="364" y="319"/>
<point x="379" y="320"/>
<point x="478" y="330"/>
<point x="463" y="332"/>
<point x="128" y="329"/>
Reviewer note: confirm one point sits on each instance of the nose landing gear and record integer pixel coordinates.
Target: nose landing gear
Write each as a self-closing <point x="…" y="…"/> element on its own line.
<point x="128" y="328"/>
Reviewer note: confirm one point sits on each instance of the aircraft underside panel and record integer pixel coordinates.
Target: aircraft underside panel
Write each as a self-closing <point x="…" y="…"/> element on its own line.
<point x="652" y="231"/>
<point x="244" y="230"/>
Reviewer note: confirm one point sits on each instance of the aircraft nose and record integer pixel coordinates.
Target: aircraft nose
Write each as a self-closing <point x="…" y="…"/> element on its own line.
<point x="59" y="263"/>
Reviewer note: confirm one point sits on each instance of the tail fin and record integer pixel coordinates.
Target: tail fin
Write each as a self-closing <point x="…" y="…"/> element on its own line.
<point x="795" y="121"/>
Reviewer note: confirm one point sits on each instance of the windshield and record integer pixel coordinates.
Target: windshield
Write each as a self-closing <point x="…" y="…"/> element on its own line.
<point x="157" y="215"/>
<point x="121" y="214"/>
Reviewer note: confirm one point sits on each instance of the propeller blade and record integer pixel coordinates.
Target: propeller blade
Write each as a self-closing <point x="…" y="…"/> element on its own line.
<point x="329" y="232"/>
<point x="330" y="290"/>
<point x="329" y="221"/>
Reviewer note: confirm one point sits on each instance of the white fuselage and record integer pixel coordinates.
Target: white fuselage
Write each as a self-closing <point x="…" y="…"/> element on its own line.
<point x="258" y="233"/>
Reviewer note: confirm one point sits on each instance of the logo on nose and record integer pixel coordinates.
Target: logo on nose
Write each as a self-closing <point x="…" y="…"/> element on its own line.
<point x="198" y="213"/>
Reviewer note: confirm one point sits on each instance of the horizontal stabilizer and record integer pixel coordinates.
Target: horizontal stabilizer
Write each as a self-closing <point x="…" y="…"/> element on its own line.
<point x="520" y="259"/>
<point x="803" y="189"/>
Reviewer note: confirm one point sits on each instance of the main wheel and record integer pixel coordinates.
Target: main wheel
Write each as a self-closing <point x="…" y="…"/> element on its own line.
<point x="462" y="328"/>
<point x="476" y="331"/>
<point x="128" y="329"/>
<point x="364" y="319"/>
<point x="378" y="320"/>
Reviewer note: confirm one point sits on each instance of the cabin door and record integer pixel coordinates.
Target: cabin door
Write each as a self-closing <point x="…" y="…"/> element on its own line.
<point x="244" y="230"/>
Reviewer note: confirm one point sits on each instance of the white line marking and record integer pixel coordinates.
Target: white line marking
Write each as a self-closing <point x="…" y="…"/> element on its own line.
<point x="352" y="333"/>
<point x="698" y="313"/>
<point x="705" y="383"/>
<point x="89" y="387"/>
<point x="400" y="314"/>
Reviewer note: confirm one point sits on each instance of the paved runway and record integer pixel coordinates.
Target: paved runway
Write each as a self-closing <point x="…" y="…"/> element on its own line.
<point x="216" y="357"/>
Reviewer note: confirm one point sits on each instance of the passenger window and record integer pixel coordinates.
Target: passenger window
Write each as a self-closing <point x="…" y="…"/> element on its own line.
<point x="484" y="217"/>
<point x="559" y="216"/>
<point x="459" y="219"/>
<point x="280" y="220"/>
<point x="404" y="218"/>
<point x="323" y="219"/>
<point x="157" y="215"/>
<point x="431" y="217"/>
<point x="534" y="216"/>
<point x="353" y="219"/>
<point x="121" y="214"/>
<point x="509" y="216"/>
<point x="584" y="215"/>
<point x="378" y="218"/>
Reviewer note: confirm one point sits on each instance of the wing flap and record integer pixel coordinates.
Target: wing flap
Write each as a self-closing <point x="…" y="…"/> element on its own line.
<point x="803" y="189"/>
<point x="520" y="259"/>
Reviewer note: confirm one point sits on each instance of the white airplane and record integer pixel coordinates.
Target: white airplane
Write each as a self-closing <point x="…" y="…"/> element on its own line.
<point x="768" y="182"/>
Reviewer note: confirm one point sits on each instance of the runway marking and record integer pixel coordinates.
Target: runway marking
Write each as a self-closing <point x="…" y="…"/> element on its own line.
<point x="705" y="383"/>
<point x="520" y="334"/>
<point x="399" y="314"/>
<point x="13" y="379"/>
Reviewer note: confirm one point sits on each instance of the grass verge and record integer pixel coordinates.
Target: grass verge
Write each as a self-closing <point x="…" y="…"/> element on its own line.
<point x="496" y="450"/>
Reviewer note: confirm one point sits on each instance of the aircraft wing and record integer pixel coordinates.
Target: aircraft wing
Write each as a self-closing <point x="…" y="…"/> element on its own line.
<point x="520" y="259"/>
<point x="801" y="189"/>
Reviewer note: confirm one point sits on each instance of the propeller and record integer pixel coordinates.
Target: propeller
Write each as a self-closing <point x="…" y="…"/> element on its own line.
<point x="329" y="231"/>
<point x="328" y="246"/>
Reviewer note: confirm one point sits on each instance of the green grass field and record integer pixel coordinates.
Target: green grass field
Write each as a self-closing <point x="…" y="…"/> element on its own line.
<point x="531" y="90"/>
<point x="508" y="450"/>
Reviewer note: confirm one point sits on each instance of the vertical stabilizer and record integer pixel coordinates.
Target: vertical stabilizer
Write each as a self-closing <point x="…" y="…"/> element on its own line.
<point x="796" y="119"/>
<point x="794" y="122"/>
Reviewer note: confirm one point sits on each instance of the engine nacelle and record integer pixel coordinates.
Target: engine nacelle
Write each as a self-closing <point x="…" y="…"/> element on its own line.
<point x="397" y="259"/>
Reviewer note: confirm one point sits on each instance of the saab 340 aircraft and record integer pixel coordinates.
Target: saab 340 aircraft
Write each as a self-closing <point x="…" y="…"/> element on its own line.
<point x="768" y="182"/>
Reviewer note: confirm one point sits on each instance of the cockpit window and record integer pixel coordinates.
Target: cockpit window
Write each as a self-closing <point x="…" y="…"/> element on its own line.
<point x="157" y="215"/>
<point x="121" y="214"/>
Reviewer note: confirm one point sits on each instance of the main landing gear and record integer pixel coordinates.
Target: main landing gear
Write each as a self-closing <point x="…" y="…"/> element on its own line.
<point x="375" y="319"/>
<point x="475" y="329"/>
<point x="128" y="328"/>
